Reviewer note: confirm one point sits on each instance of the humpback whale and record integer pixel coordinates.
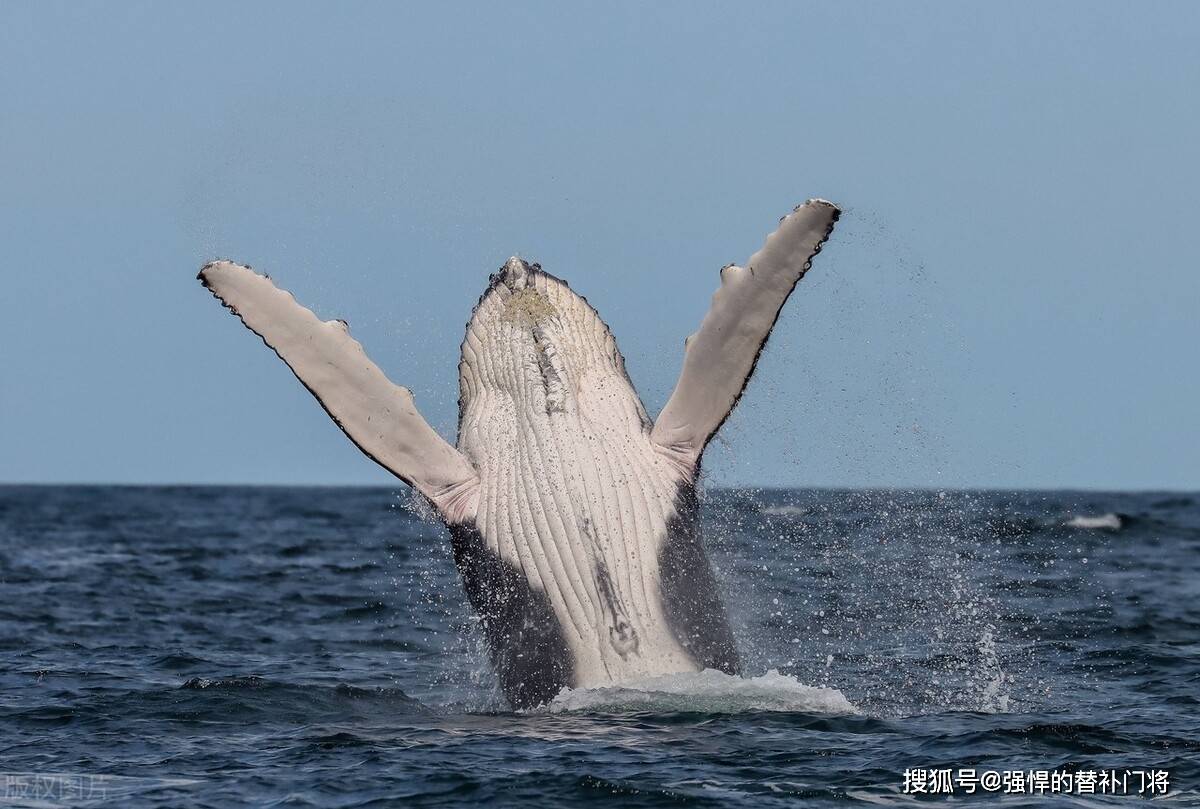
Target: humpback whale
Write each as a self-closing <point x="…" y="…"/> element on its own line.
<point x="573" y="516"/>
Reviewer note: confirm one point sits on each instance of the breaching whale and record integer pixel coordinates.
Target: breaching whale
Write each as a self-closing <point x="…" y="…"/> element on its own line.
<point x="573" y="516"/>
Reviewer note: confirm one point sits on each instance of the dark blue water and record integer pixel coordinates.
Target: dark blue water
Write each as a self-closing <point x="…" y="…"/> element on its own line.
<point x="311" y="647"/>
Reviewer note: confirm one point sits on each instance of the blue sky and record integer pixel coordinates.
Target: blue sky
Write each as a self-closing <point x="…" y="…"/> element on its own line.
<point x="1010" y="299"/>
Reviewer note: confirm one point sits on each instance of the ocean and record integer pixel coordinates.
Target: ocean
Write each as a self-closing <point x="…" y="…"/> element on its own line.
<point x="311" y="647"/>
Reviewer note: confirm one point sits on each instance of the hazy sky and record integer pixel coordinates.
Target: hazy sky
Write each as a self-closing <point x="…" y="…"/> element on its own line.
<point x="1010" y="299"/>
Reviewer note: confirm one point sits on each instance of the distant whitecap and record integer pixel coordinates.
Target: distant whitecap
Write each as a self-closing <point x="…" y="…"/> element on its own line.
<point x="1104" y="522"/>
<point x="785" y="511"/>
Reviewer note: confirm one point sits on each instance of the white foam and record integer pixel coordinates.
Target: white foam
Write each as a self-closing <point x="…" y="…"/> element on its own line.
<point x="708" y="691"/>
<point x="785" y="511"/>
<point x="1108" y="522"/>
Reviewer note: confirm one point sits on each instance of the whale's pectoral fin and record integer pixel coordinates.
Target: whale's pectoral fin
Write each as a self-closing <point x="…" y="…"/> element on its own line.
<point x="378" y="416"/>
<point x="719" y="358"/>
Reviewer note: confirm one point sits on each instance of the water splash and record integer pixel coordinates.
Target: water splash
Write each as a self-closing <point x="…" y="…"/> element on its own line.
<point x="993" y="697"/>
<point x="904" y="588"/>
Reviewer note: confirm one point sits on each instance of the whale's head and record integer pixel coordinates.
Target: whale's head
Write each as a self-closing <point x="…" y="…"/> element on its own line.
<point x="536" y="351"/>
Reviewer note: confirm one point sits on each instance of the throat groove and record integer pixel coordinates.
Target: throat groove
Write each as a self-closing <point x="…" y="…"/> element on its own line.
<point x="552" y="381"/>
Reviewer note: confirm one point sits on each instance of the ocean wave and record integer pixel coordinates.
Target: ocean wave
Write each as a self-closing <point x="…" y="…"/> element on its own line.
<point x="1103" y="522"/>
<point x="708" y="691"/>
<point x="223" y="698"/>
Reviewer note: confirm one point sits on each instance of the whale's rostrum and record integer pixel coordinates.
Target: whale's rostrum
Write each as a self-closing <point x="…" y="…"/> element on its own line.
<point x="573" y="516"/>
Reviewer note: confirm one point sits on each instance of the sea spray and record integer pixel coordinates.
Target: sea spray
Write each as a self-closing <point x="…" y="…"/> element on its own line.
<point x="894" y="583"/>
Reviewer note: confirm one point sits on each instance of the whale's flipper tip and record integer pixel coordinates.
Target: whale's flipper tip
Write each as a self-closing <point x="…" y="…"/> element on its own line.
<point x="217" y="270"/>
<point x="720" y="358"/>
<point x="205" y="274"/>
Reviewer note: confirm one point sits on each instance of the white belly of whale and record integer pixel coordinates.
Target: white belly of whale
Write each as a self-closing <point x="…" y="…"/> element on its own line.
<point x="584" y="520"/>
<point x="572" y="493"/>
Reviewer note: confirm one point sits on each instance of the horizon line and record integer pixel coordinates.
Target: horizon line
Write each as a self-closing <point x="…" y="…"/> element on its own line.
<point x="401" y="486"/>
